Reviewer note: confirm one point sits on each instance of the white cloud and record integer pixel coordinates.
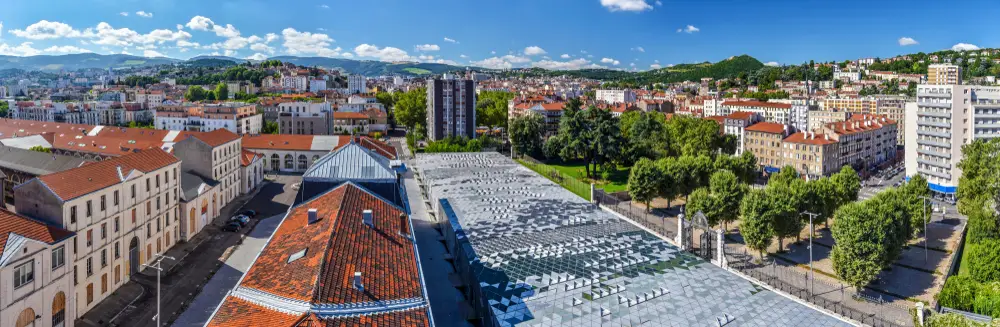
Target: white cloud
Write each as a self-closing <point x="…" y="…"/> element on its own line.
<point x="427" y="47"/>
<point x="583" y="51"/>
<point x="534" y="51"/>
<point x="626" y="5"/>
<point x="425" y="58"/>
<point x="152" y="54"/>
<point x="66" y="49"/>
<point x="964" y="47"/>
<point x="905" y="41"/>
<point x="123" y="14"/>
<point x="144" y="14"/>
<point x="254" y="39"/>
<point x="574" y="64"/>
<point x="565" y="56"/>
<point x="670" y="65"/>
<point x="108" y="35"/>
<point x="640" y="49"/>
<point x="180" y="27"/>
<point x="656" y="61"/>
<point x="321" y="29"/>
<point x="462" y="56"/>
<point x="632" y="64"/>
<point x="772" y="64"/>
<point x="308" y="43"/>
<point x="493" y="52"/>
<point x="186" y="43"/>
<point x="229" y="53"/>
<point x="446" y="39"/>
<point x="270" y="37"/>
<point x="44" y="29"/>
<point x="24" y="49"/>
<point x="347" y="55"/>
<point x="610" y="61"/>
<point x="689" y="29"/>
<point x="261" y="47"/>
<point x="324" y="6"/>
<point x="199" y="23"/>
<point x="257" y="56"/>
<point x="383" y="54"/>
<point x="516" y="59"/>
<point x="655" y="66"/>
<point x="228" y="31"/>
<point x="658" y="3"/>
<point x="493" y="63"/>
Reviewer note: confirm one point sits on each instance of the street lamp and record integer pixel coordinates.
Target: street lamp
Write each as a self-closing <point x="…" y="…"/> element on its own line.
<point x="923" y="210"/>
<point x="156" y="265"/>
<point x="811" y="216"/>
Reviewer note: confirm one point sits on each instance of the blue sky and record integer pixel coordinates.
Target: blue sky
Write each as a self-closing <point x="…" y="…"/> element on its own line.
<point x="559" y="34"/>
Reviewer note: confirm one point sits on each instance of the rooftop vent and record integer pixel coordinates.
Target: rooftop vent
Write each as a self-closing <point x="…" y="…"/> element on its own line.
<point x="313" y="215"/>
<point x="297" y="255"/>
<point x="366" y="217"/>
<point x="357" y="281"/>
<point x="404" y="226"/>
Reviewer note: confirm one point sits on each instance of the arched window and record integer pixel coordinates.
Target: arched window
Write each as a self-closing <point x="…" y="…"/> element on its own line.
<point x="26" y="318"/>
<point x="315" y="159"/>
<point x="275" y="162"/>
<point x="58" y="309"/>
<point x="302" y="162"/>
<point x="288" y="162"/>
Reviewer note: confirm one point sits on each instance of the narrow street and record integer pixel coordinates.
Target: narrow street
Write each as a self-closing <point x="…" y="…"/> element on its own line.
<point x="197" y="262"/>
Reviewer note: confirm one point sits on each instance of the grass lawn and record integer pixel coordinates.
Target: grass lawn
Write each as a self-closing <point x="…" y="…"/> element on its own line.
<point x="963" y="265"/>
<point x="617" y="183"/>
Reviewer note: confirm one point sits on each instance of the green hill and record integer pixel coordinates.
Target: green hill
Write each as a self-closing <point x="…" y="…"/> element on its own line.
<point x="79" y="61"/>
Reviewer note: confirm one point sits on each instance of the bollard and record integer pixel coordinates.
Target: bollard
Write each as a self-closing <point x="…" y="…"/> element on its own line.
<point x="920" y="313"/>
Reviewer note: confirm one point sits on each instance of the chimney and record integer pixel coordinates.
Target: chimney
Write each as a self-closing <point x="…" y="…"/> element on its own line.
<point x="357" y="281"/>
<point x="366" y="217"/>
<point x="313" y="215"/>
<point x="404" y="226"/>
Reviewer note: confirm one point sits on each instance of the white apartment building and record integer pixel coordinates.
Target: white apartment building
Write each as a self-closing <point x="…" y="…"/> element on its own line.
<point x="615" y="96"/>
<point x="237" y="118"/>
<point x="37" y="283"/>
<point x="299" y="83"/>
<point x="251" y="171"/>
<point x="773" y="112"/>
<point x="123" y="211"/>
<point x="847" y="76"/>
<point x="150" y="99"/>
<point x="945" y="118"/>
<point x="736" y="123"/>
<point x="944" y="74"/>
<point x="309" y="118"/>
<point x="357" y="84"/>
<point x="316" y="85"/>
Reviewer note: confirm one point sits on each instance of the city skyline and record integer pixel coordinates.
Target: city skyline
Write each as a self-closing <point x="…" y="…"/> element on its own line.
<point x="558" y="34"/>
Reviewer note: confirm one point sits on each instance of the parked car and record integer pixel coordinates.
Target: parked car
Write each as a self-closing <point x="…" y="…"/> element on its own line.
<point x="249" y="213"/>
<point x="240" y="219"/>
<point x="232" y="226"/>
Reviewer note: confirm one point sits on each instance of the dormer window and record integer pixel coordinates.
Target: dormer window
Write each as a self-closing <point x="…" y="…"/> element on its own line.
<point x="297" y="255"/>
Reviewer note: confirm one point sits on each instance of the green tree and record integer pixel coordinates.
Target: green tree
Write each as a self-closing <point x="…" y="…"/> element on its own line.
<point x="755" y="224"/>
<point x="987" y="300"/>
<point x="848" y="184"/>
<point x="984" y="261"/>
<point x="4" y="109"/>
<point x="784" y="176"/>
<point x="491" y="108"/>
<point x="643" y="181"/>
<point x="860" y="244"/>
<point x="553" y="145"/>
<point x="983" y="224"/>
<point x="195" y="93"/>
<point x="591" y="135"/>
<point x="958" y="292"/>
<point x="919" y="213"/>
<point x="702" y="200"/>
<point x="411" y="109"/>
<point x="221" y="91"/>
<point x="980" y="175"/>
<point x="783" y="210"/>
<point x="526" y="134"/>
<point x="645" y="135"/>
<point x="39" y="148"/>
<point x="670" y="174"/>
<point x="729" y="191"/>
<point x="270" y="127"/>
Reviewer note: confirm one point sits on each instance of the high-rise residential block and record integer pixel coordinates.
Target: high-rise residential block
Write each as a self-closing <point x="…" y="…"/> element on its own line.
<point x="944" y="74"/>
<point x="451" y="108"/>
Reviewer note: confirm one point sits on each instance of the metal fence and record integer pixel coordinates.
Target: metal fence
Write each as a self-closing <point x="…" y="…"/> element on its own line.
<point x="871" y="310"/>
<point x="660" y="224"/>
<point x="569" y="182"/>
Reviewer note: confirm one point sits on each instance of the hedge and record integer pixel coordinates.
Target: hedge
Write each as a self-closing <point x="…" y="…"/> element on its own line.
<point x="984" y="261"/>
<point x="958" y="292"/>
<point x="988" y="300"/>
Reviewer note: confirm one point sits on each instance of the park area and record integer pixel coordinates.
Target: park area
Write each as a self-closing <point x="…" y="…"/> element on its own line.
<point x="573" y="177"/>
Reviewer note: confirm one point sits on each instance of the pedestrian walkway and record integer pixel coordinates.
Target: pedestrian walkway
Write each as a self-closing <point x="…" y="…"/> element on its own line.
<point x="229" y="274"/>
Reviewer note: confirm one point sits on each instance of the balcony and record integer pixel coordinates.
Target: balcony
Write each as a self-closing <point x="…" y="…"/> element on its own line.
<point x="930" y="133"/>
<point x="934" y="153"/>
<point x="933" y="143"/>
<point x="934" y="114"/>
<point x="991" y="125"/>
<point x="979" y="115"/>
<point x="935" y="163"/>
<point x="935" y="174"/>
<point x="934" y="95"/>
<point x="934" y="123"/>
<point x="934" y="104"/>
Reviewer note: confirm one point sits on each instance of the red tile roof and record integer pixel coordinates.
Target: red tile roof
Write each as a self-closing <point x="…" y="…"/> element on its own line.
<point x="70" y="184"/>
<point x="766" y="127"/>
<point x="247" y="157"/>
<point x="349" y="115"/>
<point x="741" y="115"/>
<point x="217" y="137"/>
<point x="11" y="223"/>
<point x="379" y="147"/>
<point x="718" y="119"/>
<point x="236" y="312"/>
<point x="802" y="138"/>
<point x="860" y="123"/>
<point x="757" y="104"/>
<point x="278" y="142"/>
<point x="555" y="106"/>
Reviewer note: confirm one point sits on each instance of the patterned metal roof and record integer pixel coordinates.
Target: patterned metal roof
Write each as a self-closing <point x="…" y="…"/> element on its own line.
<point x="351" y="162"/>
<point x="542" y="256"/>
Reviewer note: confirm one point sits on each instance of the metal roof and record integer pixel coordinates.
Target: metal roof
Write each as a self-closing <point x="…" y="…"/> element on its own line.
<point x="37" y="163"/>
<point x="542" y="256"/>
<point x="192" y="185"/>
<point x="324" y="143"/>
<point x="27" y="142"/>
<point x="351" y="162"/>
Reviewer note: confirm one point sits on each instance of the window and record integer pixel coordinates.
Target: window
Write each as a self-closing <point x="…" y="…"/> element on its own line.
<point x="90" y="293"/>
<point x="133" y="216"/>
<point x="118" y="253"/>
<point x="157" y="181"/>
<point x="25" y="273"/>
<point x="117" y="224"/>
<point x="133" y="191"/>
<point x="116" y="197"/>
<point x="72" y="215"/>
<point x="147" y="184"/>
<point x="103" y="205"/>
<point x="90" y="237"/>
<point x="58" y="257"/>
<point x="104" y="283"/>
<point x="157" y="204"/>
<point x="149" y="230"/>
<point x="157" y="224"/>
<point x="90" y="209"/>
<point x="166" y="199"/>
<point x="90" y="266"/>
<point x="104" y="230"/>
<point x="175" y="174"/>
<point x="104" y="258"/>
<point x="149" y="207"/>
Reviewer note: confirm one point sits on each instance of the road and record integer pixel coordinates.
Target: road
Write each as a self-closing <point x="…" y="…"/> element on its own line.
<point x="197" y="262"/>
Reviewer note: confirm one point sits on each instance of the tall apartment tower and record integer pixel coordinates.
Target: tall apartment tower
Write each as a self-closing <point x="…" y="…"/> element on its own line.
<point x="944" y="74"/>
<point x="357" y="84"/>
<point x="451" y="108"/>
<point x="947" y="117"/>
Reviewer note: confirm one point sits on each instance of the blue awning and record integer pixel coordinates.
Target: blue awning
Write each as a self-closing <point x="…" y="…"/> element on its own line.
<point x="771" y="170"/>
<point x="939" y="188"/>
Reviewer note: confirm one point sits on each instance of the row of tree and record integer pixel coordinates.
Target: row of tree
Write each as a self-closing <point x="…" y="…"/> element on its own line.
<point x="692" y="177"/>
<point x="234" y="73"/>
<point x="196" y="93"/>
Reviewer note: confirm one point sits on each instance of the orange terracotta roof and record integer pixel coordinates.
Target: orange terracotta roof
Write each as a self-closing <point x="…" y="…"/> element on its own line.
<point x="741" y="115"/>
<point x="278" y="142"/>
<point x="349" y="115"/>
<point x="236" y="312"/>
<point x="12" y="223"/>
<point x="766" y="127"/>
<point x="247" y="157"/>
<point x="70" y="184"/>
<point x="555" y="106"/>
<point x="379" y="147"/>
<point x="757" y="104"/>
<point x="802" y="138"/>
<point x="217" y="137"/>
<point x="338" y="245"/>
<point x="718" y="119"/>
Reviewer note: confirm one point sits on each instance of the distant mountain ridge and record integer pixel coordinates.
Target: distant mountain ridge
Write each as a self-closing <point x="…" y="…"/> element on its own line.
<point x="80" y="61"/>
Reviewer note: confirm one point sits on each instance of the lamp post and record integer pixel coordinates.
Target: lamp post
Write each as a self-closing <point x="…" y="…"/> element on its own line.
<point x="156" y="265"/>
<point x="923" y="210"/>
<point x="811" y="216"/>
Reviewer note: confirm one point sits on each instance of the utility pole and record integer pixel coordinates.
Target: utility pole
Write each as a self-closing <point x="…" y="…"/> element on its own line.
<point x="811" y="280"/>
<point x="923" y="210"/>
<point x="156" y="265"/>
